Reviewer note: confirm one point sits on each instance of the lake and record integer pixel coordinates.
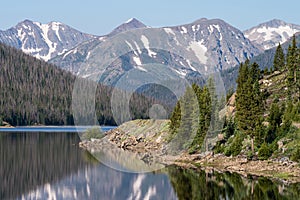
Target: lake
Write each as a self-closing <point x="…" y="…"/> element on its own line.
<point x="46" y="163"/>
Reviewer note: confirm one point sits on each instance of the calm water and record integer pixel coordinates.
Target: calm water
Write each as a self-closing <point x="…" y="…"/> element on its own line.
<point x="43" y="165"/>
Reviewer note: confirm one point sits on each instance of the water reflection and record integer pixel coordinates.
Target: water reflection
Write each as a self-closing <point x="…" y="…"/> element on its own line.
<point x="100" y="182"/>
<point x="32" y="159"/>
<point x="189" y="184"/>
<point x="51" y="166"/>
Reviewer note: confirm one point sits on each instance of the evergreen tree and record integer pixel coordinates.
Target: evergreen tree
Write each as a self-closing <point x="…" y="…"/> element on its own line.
<point x="214" y="125"/>
<point x="274" y="119"/>
<point x="248" y="100"/>
<point x="175" y="119"/>
<point x="191" y="119"/>
<point x="292" y="65"/>
<point x="279" y="61"/>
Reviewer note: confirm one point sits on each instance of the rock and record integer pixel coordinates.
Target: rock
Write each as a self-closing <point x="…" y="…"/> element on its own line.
<point x="140" y="138"/>
<point x="220" y="136"/>
<point x="280" y="144"/>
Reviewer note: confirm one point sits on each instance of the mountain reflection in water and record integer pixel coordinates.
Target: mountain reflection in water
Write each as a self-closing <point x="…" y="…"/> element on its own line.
<point x="52" y="166"/>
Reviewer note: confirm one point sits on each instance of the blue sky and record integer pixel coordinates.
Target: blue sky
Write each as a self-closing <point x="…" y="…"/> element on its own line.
<point x="100" y="17"/>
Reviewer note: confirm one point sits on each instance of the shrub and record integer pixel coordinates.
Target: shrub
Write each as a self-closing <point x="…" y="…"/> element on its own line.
<point x="249" y="155"/>
<point x="94" y="132"/>
<point x="235" y="147"/>
<point x="219" y="148"/>
<point x="264" y="152"/>
<point x="296" y="155"/>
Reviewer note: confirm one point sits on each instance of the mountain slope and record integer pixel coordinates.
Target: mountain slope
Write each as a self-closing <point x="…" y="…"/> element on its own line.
<point x="267" y="35"/>
<point x="35" y="92"/>
<point x="201" y="47"/>
<point x="43" y="41"/>
<point x="264" y="60"/>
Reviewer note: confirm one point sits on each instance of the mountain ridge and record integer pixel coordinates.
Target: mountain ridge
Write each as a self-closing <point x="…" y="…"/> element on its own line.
<point x="269" y="34"/>
<point x="213" y="43"/>
<point x="43" y="41"/>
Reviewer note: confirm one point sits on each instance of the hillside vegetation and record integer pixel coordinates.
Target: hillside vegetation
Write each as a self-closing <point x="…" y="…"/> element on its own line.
<point x="264" y="120"/>
<point x="35" y="92"/>
<point x="267" y="110"/>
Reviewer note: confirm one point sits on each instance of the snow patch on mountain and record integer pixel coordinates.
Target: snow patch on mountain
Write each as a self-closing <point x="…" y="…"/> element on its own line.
<point x="137" y="47"/>
<point x="55" y="27"/>
<point x="169" y="31"/>
<point x="184" y="30"/>
<point x="129" y="20"/>
<point x="137" y="60"/>
<point x="199" y="50"/>
<point x="52" y="46"/>
<point x="146" y="45"/>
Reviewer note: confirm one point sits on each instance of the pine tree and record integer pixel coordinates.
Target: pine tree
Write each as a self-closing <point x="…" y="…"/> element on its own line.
<point x="248" y="100"/>
<point x="183" y="127"/>
<point x="297" y="75"/>
<point x="279" y="61"/>
<point x="274" y="119"/>
<point x="214" y="105"/>
<point x="175" y="119"/>
<point x="292" y="65"/>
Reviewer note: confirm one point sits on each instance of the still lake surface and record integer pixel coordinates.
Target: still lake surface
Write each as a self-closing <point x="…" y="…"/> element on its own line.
<point x="46" y="163"/>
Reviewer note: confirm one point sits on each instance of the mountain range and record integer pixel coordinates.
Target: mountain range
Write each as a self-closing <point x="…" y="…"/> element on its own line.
<point x="190" y="51"/>
<point x="43" y="41"/>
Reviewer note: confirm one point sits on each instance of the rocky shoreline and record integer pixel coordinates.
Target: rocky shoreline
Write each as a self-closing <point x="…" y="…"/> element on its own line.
<point x="150" y="147"/>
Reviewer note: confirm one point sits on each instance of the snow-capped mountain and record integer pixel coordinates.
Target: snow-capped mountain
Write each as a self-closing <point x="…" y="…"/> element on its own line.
<point x="267" y="35"/>
<point x="43" y="41"/>
<point x="188" y="50"/>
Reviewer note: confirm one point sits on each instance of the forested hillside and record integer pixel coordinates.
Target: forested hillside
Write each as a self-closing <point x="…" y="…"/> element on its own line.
<point x="35" y="92"/>
<point x="265" y="117"/>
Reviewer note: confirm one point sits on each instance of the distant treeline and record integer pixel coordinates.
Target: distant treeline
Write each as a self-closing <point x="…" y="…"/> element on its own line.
<point x="35" y="92"/>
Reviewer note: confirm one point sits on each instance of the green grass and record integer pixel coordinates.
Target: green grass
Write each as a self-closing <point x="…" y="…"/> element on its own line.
<point x="282" y="175"/>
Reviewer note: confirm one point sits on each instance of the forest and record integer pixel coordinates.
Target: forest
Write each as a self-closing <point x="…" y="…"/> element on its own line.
<point x="264" y="121"/>
<point x="34" y="92"/>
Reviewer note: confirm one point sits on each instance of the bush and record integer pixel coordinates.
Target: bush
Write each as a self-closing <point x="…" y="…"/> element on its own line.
<point x="94" y="132"/>
<point x="249" y="155"/>
<point x="264" y="152"/>
<point x="235" y="147"/>
<point x="296" y="155"/>
<point x="219" y="148"/>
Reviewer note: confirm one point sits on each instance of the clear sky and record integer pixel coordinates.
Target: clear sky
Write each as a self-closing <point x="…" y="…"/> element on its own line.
<point x="100" y="17"/>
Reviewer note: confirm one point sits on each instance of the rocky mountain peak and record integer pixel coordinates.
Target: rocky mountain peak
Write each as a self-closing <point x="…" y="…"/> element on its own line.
<point x="268" y="34"/>
<point x="130" y="24"/>
<point x="43" y="41"/>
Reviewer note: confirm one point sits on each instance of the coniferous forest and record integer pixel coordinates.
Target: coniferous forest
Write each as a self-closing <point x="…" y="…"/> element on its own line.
<point x="266" y="111"/>
<point x="35" y="92"/>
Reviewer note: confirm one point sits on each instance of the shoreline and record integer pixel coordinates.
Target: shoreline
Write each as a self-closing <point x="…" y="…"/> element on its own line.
<point x="286" y="172"/>
<point x="150" y="145"/>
